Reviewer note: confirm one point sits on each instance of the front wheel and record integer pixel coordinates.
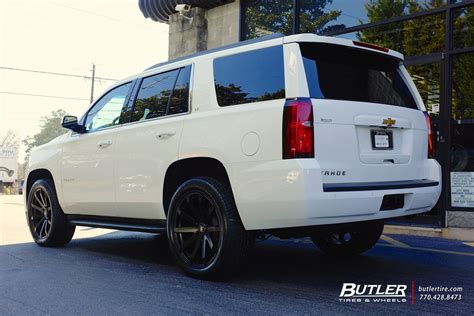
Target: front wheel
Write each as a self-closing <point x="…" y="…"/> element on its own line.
<point x="205" y="234"/>
<point x="349" y="241"/>
<point x="47" y="222"/>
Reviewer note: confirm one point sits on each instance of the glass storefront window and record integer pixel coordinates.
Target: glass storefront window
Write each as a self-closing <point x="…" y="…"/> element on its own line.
<point x="427" y="78"/>
<point x="415" y="37"/>
<point x="463" y="27"/>
<point x="263" y="17"/>
<point x="340" y="14"/>
<point x="462" y="110"/>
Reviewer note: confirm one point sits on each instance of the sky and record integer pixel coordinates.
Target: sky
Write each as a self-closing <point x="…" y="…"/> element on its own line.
<point x="67" y="36"/>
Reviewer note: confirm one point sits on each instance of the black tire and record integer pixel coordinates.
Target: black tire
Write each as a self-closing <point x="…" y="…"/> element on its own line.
<point x="48" y="225"/>
<point x="205" y="233"/>
<point x="349" y="242"/>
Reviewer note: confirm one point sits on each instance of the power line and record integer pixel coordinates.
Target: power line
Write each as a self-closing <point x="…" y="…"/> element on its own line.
<point x="55" y="73"/>
<point x="96" y="14"/>
<point x="43" y="95"/>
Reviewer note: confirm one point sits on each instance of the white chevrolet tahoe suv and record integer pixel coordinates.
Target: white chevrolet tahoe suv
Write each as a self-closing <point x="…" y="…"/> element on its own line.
<point x="297" y="136"/>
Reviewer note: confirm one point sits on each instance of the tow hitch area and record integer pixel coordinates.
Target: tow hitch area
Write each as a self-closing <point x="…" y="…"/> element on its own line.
<point x="392" y="202"/>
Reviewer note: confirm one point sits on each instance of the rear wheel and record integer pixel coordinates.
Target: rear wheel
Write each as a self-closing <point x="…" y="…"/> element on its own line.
<point x="206" y="236"/>
<point x="351" y="241"/>
<point x="47" y="222"/>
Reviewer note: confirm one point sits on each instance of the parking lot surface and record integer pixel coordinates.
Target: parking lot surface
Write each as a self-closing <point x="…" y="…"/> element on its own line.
<point x="111" y="272"/>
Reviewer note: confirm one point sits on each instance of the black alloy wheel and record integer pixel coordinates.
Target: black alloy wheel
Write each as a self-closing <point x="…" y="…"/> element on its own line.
<point x="40" y="216"/>
<point x="48" y="225"/>
<point x="205" y="234"/>
<point x="198" y="229"/>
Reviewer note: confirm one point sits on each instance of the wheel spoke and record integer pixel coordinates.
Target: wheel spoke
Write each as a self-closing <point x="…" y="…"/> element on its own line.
<point x="186" y="230"/>
<point x="42" y="229"/>
<point x="189" y="242"/>
<point x="187" y="217"/>
<point x="208" y="238"/>
<point x="39" y="224"/>
<point x="193" y="208"/>
<point x="210" y="213"/>
<point x="213" y="229"/>
<point x="36" y="208"/>
<point x="196" y="246"/>
<point x="43" y="200"/>
<point x="46" y="228"/>
<point x="202" y="211"/>
<point x="38" y="200"/>
<point x="203" y="247"/>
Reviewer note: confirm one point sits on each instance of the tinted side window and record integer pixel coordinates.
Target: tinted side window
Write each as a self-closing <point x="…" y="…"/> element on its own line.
<point x="179" y="102"/>
<point x="106" y="112"/>
<point x="250" y="77"/>
<point x="153" y="96"/>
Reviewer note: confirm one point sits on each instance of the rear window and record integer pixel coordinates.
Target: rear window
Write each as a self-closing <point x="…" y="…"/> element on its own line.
<point x="250" y="77"/>
<point x="340" y="73"/>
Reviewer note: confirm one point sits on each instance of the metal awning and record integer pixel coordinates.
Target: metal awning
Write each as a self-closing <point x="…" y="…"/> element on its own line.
<point x="160" y="10"/>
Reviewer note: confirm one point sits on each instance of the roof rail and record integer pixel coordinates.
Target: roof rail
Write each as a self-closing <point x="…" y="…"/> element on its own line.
<point x="218" y="49"/>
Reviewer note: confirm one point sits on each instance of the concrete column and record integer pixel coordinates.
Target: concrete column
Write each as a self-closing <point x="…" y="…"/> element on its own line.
<point x="223" y="25"/>
<point x="208" y="29"/>
<point x="185" y="36"/>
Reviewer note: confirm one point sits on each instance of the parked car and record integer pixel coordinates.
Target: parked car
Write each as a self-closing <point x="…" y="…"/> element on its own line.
<point x="291" y="136"/>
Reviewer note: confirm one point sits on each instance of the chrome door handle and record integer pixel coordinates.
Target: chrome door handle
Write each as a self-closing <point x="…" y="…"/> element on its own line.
<point x="165" y="135"/>
<point x="104" y="144"/>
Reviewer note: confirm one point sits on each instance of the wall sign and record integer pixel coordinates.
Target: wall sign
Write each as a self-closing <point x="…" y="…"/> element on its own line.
<point x="462" y="189"/>
<point x="8" y="165"/>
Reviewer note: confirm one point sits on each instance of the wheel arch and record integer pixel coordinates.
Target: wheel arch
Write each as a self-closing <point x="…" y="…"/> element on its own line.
<point x="36" y="175"/>
<point x="184" y="169"/>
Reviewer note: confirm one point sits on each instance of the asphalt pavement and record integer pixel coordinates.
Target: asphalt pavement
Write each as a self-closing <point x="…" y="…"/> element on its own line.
<point x="105" y="272"/>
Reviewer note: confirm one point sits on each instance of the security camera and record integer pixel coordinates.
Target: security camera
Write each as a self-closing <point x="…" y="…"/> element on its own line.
<point x="183" y="8"/>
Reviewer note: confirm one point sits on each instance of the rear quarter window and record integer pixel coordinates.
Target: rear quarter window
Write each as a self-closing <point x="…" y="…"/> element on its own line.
<point x="344" y="73"/>
<point x="248" y="77"/>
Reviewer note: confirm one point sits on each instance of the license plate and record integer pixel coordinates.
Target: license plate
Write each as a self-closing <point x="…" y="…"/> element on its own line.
<point x="381" y="139"/>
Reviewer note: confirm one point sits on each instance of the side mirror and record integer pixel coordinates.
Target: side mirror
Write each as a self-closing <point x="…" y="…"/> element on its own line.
<point x="70" y="122"/>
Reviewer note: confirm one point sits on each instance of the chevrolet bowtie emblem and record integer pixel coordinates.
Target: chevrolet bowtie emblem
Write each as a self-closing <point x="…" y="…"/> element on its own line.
<point x="389" y="122"/>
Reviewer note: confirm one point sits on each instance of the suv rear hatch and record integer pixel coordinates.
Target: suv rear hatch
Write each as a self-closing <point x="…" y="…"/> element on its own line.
<point x="368" y="124"/>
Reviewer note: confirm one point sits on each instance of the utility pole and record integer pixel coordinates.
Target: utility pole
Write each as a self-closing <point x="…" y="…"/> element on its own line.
<point x="92" y="84"/>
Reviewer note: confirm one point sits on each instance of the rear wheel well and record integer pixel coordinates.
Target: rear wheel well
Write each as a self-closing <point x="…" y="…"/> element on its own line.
<point x="185" y="169"/>
<point x="35" y="175"/>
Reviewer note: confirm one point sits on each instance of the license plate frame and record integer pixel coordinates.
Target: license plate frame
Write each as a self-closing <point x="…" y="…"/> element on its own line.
<point x="381" y="132"/>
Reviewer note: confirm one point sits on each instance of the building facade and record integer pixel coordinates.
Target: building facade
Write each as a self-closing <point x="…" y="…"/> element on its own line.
<point x="436" y="37"/>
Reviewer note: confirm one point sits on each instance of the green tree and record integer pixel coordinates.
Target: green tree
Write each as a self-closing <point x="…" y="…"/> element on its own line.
<point x="463" y="65"/>
<point x="415" y="37"/>
<point x="262" y="18"/>
<point x="50" y="128"/>
<point x="386" y="35"/>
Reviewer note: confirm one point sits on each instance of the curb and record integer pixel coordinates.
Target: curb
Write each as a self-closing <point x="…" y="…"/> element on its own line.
<point x="454" y="233"/>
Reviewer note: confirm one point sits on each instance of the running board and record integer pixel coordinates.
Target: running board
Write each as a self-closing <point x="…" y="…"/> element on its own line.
<point x="119" y="223"/>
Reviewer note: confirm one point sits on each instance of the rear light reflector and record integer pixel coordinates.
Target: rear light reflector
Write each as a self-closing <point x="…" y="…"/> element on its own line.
<point x="430" y="136"/>
<point x="298" y="132"/>
<point x="371" y="46"/>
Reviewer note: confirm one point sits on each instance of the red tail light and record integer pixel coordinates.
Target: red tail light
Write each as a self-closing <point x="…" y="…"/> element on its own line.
<point x="371" y="46"/>
<point x="430" y="136"/>
<point x="298" y="132"/>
